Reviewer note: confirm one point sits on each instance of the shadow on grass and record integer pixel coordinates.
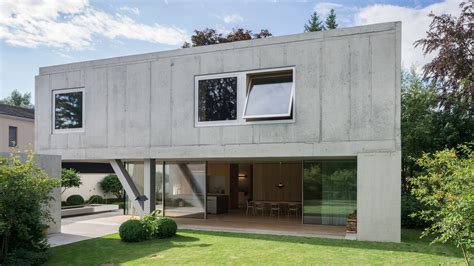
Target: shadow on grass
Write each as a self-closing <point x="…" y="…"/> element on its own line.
<point x="111" y="250"/>
<point x="410" y="242"/>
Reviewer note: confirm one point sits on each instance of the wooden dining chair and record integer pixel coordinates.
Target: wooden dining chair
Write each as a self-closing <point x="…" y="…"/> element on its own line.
<point x="293" y="208"/>
<point x="259" y="206"/>
<point x="275" y="208"/>
<point x="250" y="208"/>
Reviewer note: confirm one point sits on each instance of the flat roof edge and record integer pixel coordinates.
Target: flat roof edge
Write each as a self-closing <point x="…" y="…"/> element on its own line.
<point x="366" y="29"/>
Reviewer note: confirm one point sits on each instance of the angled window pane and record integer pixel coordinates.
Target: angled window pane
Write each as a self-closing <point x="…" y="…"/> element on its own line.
<point x="12" y="136"/>
<point x="269" y="97"/>
<point x="217" y="99"/>
<point x="68" y="110"/>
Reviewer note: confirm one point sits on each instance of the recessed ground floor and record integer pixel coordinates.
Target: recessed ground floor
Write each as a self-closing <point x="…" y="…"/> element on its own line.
<point x="291" y="196"/>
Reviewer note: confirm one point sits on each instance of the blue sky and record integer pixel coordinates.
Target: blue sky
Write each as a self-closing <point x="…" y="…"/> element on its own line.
<point x="35" y="33"/>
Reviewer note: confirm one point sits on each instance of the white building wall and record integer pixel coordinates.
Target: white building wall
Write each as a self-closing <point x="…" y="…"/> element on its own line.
<point x="90" y="186"/>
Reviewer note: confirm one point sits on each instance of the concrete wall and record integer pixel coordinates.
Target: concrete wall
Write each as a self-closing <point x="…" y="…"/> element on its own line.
<point x="346" y="100"/>
<point x="347" y="104"/>
<point x="25" y="132"/>
<point x="51" y="164"/>
<point x="90" y="186"/>
<point x="378" y="196"/>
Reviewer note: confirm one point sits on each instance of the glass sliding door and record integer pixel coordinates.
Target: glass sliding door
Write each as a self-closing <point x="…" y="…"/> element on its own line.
<point x="136" y="171"/>
<point x="159" y="186"/>
<point x="185" y="189"/>
<point x="329" y="191"/>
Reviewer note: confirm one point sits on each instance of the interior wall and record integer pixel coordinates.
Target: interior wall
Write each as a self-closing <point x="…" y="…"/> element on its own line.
<point x="266" y="177"/>
<point x="218" y="176"/>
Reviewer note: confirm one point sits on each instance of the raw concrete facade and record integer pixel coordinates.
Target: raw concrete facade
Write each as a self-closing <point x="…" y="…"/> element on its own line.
<point x="51" y="164"/>
<point x="346" y="104"/>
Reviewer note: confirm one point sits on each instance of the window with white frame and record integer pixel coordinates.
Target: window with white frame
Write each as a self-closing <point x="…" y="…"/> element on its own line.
<point x="269" y="95"/>
<point x="217" y="99"/>
<point x="260" y="96"/>
<point x="68" y="109"/>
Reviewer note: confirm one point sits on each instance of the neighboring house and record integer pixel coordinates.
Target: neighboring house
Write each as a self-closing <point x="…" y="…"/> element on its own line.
<point x="17" y="129"/>
<point x="305" y="124"/>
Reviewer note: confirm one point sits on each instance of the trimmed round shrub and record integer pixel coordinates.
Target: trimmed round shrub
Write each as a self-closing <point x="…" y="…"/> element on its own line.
<point x="132" y="231"/>
<point x="75" y="200"/>
<point x="167" y="227"/>
<point x="96" y="199"/>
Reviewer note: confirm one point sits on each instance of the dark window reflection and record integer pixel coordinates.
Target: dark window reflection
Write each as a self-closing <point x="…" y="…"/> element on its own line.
<point x="68" y="110"/>
<point x="217" y="99"/>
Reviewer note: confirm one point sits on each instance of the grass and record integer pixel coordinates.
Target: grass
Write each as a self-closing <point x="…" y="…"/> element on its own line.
<point x="200" y="247"/>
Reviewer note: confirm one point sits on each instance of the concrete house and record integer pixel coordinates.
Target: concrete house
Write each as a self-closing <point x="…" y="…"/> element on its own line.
<point x="301" y="129"/>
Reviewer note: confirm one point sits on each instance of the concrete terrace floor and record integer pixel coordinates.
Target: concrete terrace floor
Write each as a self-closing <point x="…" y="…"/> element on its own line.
<point x="75" y="229"/>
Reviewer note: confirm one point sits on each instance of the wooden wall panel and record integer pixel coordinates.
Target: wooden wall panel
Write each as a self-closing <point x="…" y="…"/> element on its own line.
<point x="266" y="177"/>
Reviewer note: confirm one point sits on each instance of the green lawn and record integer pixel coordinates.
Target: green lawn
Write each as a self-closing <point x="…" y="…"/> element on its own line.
<point x="200" y="247"/>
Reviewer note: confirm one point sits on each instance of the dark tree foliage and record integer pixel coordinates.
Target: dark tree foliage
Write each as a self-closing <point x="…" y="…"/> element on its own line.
<point x="218" y="99"/>
<point x="18" y="99"/>
<point x="426" y="127"/>
<point x="331" y="20"/>
<point x="264" y="33"/>
<point x="452" y="69"/>
<point x="314" y="24"/>
<point x="68" y="111"/>
<point x="210" y="36"/>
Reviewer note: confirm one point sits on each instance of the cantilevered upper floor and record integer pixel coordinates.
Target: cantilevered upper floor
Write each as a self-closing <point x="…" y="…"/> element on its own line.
<point x="331" y="93"/>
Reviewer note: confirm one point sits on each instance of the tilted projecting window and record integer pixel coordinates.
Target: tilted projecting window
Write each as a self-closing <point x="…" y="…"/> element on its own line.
<point x="68" y="109"/>
<point x="217" y="99"/>
<point x="269" y="96"/>
<point x="12" y="136"/>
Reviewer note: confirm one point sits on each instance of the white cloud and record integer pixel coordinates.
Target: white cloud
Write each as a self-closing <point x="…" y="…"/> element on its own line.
<point x="231" y="18"/>
<point x="132" y="10"/>
<point x="415" y="23"/>
<point x="323" y="8"/>
<point x="344" y="13"/>
<point x="73" y="25"/>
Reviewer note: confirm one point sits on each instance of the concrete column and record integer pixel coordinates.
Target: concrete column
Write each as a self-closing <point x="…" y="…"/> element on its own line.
<point x="379" y="196"/>
<point x="127" y="184"/>
<point x="149" y="184"/>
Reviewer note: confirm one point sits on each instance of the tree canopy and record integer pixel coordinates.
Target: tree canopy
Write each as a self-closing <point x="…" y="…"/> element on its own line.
<point x="314" y="23"/>
<point x="451" y="71"/>
<point x="331" y="20"/>
<point x="210" y="36"/>
<point x="18" y="99"/>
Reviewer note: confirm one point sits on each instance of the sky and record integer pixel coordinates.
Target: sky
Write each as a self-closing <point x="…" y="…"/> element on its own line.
<point x="36" y="33"/>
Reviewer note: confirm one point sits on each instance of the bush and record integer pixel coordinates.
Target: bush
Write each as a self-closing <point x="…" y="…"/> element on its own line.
<point x="411" y="205"/>
<point x="121" y="205"/>
<point x="75" y="200"/>
<point x="25" y="189"/>
<point x="167" y="227"/>
<point x="132" y="231"/>
<point x="151" y="225"/>
<point x="96" y="199"/>
<point x="111" y="184"/>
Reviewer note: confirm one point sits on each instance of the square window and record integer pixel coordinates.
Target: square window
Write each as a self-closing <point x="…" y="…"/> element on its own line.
<point x="12" y="136"/>
<point x="269" y="95"/>
<point x="217" y="99"/>
<point x="68" y="109"/>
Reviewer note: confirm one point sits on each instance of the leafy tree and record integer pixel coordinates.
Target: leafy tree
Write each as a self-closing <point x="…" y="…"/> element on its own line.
<point x="264" y="33"/>
<point x="447" y="186"/>
<point x="453" y="67"/>
<point x="426" y="127"/>
<point x="210" y="36"/>
<point x="314" y="24"/>
<point x="111" y="184"/>
<point x="331" y="20"/>
<point x="24" y="191"/>
<point x="70" y="178"/>
<point x="18" y="99"/>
